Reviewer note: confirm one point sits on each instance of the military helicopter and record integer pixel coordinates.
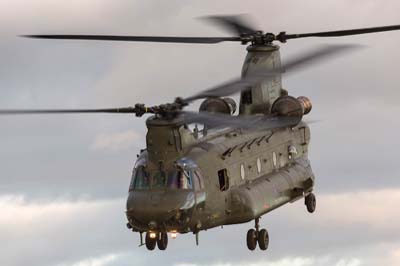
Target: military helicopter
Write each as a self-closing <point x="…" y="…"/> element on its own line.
<point x="234" y="169"/>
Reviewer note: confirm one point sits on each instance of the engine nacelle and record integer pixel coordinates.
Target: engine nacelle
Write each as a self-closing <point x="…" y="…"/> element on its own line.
<point x="306" y="103"/>
<point x="218" y="105"/>
<point x="290" y="106"/>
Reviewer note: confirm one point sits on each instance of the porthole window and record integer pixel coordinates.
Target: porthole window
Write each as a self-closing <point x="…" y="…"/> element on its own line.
<point x="292" y="151"/>
<point x="282" y="160"/>
<point x="274" y="159"/>
<point x="242" y="171"/>
<point x="258" y="165"/>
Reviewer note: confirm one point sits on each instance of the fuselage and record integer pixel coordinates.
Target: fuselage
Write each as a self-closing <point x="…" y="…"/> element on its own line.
<point x="233" y="177"/>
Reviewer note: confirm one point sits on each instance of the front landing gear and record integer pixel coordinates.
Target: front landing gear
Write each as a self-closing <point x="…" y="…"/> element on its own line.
<point x="255" y="236"/>
<point x="162" y="241"/>
<point x="151" y="240"/>
<point x="311" y="202"/>
<point x="156" y="239"/>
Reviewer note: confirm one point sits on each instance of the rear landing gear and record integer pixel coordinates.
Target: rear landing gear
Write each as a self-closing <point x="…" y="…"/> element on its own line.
<point x="311" y="202"/>
<point x="255" y="236"/>
<point x="263" y="239"/>
<point x="251" y="239"/>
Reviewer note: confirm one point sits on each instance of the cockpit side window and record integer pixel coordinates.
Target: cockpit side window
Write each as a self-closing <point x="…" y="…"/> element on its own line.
<point x="180" y="179"/>
<point x="141" y="179"/>
<point x="132" y="183"/>
<point x="186" y="180"/>
<point x="198" y="180"/>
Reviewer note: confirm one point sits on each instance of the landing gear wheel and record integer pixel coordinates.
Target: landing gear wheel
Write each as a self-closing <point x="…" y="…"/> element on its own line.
<point x="263" y="239"/>
<point x="150" y="242"/>
<point x="311" y="202"/>
<point x="162" y="241"/>
<point x="252" y="239"/>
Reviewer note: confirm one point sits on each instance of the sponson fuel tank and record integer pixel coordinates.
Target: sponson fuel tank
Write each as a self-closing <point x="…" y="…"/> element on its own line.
<point x="271" y="191"/>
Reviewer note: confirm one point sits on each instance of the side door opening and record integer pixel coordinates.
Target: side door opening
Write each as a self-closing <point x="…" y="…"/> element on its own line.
<point x="223" y="179"/>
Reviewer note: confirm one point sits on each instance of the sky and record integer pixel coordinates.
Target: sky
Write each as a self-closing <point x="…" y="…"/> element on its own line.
<point x="64" y="179"/>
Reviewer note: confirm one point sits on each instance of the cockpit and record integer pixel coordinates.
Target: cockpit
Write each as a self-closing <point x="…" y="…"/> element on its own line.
<point x="164" y="197"/>
<point x="184" y="175"/>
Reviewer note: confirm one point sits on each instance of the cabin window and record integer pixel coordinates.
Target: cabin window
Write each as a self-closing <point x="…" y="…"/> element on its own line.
<point x="282" y="160"/>
<point x="242" y="172"/>
<point x="223" y="180"/>
<point x="274" y="159"/>
<point x="292" y="151"/>
<point x="258" y="165"/>
<point x="141" y="178"/>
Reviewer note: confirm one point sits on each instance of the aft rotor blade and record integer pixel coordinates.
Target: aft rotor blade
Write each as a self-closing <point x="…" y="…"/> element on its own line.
<point x="200" y="40"/>
<point x="66" y="111"/>
<point x="236" y="24"/>
<point x="247" y="122"/>
<point x="257" y="78"/>
<point x="338" y="33"/>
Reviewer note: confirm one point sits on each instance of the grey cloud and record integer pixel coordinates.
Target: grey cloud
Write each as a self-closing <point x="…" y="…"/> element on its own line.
<point x="77" y="230"/>
<point x="353" y="148"/>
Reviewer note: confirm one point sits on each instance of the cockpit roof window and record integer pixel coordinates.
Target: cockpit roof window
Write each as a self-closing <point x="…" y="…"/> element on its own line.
<point x="185" y="163"/>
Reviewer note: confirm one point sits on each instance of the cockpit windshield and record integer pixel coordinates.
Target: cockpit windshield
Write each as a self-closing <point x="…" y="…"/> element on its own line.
<point x="159" y="179"/>
<point x="140" y="179"/>
<point x="177" y="178"/>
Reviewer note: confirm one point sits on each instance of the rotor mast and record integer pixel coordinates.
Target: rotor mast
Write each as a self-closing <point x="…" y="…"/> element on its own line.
<point x="167" y="140"/>
<point x="259" y="98"/>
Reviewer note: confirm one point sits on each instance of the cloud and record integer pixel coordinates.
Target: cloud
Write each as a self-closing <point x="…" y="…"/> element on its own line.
<point x="59" y="232"/>
<point x="282" y="262"/>
<point x="116" y="141"/>
<point x="348" y="229"/>
<point x="17" y="211"/>
<point x="394" y="257"/>
<point x="370" y="208"/>
<point x="296" y="261"/>
<point x="353" y="152"/>
<point x="102" y="261"/>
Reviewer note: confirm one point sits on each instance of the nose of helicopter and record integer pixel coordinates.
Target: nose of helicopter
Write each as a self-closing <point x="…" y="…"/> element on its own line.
<point x="156" y="210"/>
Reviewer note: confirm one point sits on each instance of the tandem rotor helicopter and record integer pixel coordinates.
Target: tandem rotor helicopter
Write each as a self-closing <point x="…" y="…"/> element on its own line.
<point x="234" y="169"/>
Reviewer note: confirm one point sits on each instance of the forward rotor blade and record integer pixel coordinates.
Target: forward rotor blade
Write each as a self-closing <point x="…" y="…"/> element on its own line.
<point x="247" y="122"/>
<point x="257" y="78"/>
<point x="236" y="24"/>
<point x="204" y="40"/>
<point x="338" y="33"/>
<point x="66" y="111"/>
